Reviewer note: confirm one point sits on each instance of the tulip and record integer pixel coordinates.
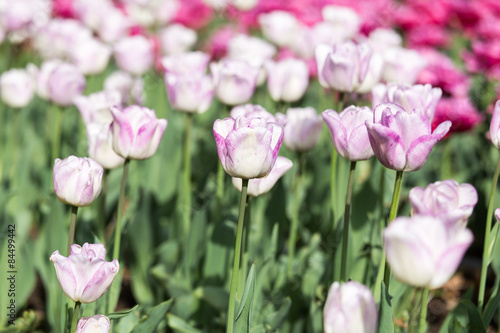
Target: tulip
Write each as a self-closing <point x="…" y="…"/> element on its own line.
<point x="99" y="148"/>
<point x="131" y="89"/>
<point x="382" y="39"/>
<point x="344" y="66"/>
<point x="234" y="81"/>
<point x="402" y="65"/>
<point x="422" y="97"/>
<point x="252" y="111"/>
<point x="422" y="251"/>
<point x="95" y="108"/>
<point x="402" y="140"/>
<point x="136" y="132"/>
<point x="497" y="214"/>
<point x="244" y="5"/>
<point x="495" y="126"/>
<point x="95" y="324"/>
<point x="134" y="54"/>
<point x="190" y="63"/>
<point x="259" y="186"/>
<point x="113" y="24"/>
<point x="17" y="88"/>
<point x="348" y="131"/>
<point x="279" y="27"/>
<point x="302" y="129"/>
<point x="189" y="93"/>
<point x="42" y="76"/>
<point x="176" y="39"/>
<point x="287" y="79"/>
<point x="446" y="200"/>
<point x="350" y="308"/>
<point x="247" y="148"/>
<point x="90" y="56"/>
<point x="85" y="275"/>
<point x="344" y="18"/>
<point x="77" y="180"/>
<point x="65" y="82"/>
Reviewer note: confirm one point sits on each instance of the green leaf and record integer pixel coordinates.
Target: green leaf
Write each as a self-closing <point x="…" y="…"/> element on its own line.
<point x="244" y="314"/>
<point x="492" y="305"/>
<point x="385" y="321"/>
<point x="179" y="325"/>
<point x="475" y="321"/>
<point x="215" y="296"/>
<point x="277" y="318"/>
<point x="151" y="321"/>
<point x="122" y="313"/>
<point x="494" y="249"/>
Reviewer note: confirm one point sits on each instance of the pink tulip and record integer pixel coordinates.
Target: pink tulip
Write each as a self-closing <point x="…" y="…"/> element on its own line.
<point x="259" y="186"/>
<point x="287" y="80"/>
<point x="85" y="275"/>
<point x="350" y="308"/>
<point x="95" y="324"/>
<point x="134" y="54"/>
<point x="422" y="251"/>
<point x="77" y="180"/>
<point x="234" y="81"/>
<point x="17" y="88"/>
<point x="460" y="111"/>
<point x="447" y="200"/>
<point x="95" y="108"/>
<point x="495" y="126"/>
<point x="90" y="56"/>
<point x="136" y="132"/>
<point x="247" y="148"/>
<point x="302" y="129"/>
<point x="402" y="140"/>
<point x="131" y="89"/>
<point x="189" y="93"/>
<point x="348" y="131"/>
<point x="100" y="148"/>
<point x="65" y="82"/>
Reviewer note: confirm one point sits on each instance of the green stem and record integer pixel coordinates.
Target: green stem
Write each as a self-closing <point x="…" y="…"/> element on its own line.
<point x="101" y="221"/>
<point x="119" y="214"/>
<point x="423" y="309"/>
<point x="244" y="262"/>
<point x="57" y="114"/>
<point x="347" y="216"/>
<point x="76" y="313"/>
<point x="72" y="227"/>
<point x="487" y="231"/>
<point x="295" y="216"/>
<point x="333" y="187"/>
<point x="186" y="209"/>
<point x="237" y="256"/>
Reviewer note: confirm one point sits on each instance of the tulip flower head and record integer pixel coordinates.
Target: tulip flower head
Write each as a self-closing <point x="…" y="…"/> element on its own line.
<point x="136" y="132"/>
<point x="252" y="111"/>
<point x="259" y="186"/>
<point x="77" y="180"/>
<point x="100" y="148"/>
<point x="287" y="80"/>
<point x="447" y="200"/>
<point x="95" y="324"/>
<point x="247" y="148"/>
<point x="85" y="275"/>
<point x="402" y="140"/>
<point x="423" y="252"/>
<point x="65" y="82"/>
<point x="495" y="126"/>
<point x="17" y="88"/>
<point x="234" y="81"/>
<point x="189" y="93"/>
<point x="134" y="54"/>
<point x="349" y="308"/>
<point x="349" y="134"/>
<point x="302" y="129"/>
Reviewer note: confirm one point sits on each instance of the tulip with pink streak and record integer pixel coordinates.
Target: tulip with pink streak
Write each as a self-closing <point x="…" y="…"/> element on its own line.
<point x="287" y="80"/>
<point x="95" y="324"/>
<point x="85" y="275"/>
<point x="402" y="140"/>
<point x="100" y="148"/>
<point x="77" y="180"/>
<point x="348" y="131"/>
<point x="134" y="54"/>
<point x="279" y="27"/>
<point x="446" y="200"/>
<point x="423" y="252"/>
<point x="90" y="56"/>
<point x="302" y="129"/>
<point x="65" y="82"/>
<point x="17" y="87"/>
<point x="247" y="147"/>
<point x="136" y="132"/>
<point x="189" y="93"/>
<point x="234" y="81"/>
<point x="422" y="97"/>
<point x="350" y="308"/>
<point x="95" y="108"/>
<point x="176" y="39"/>
<point x="260" y="186"/>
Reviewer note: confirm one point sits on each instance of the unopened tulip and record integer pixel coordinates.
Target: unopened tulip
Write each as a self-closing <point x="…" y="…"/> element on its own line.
<point x="95" y="324"/>
<point x="85" y="275"/>
<point x="234" y="81"/>
<point x="17" y="88"/>
<point x="100" y="148"/>
<point x="134" y="54"/>
<point x="190" y="63"/>
<point x="90" y="56"/>
<point x="95" y="108"/>
<point x="422" y="251"/>
<point x="253" y="50"/>
<point x="252" y="111"/>
<point x="402" y="65"/>
<point x="247" y="148"/>
<point x="136" y="132"/>
<point x="65" y="82"/>
<point x="279" y="27"/>
<point x="189" y="93"/>
<point x="403" y="140"/>
<point x="42" y="76"/>
<point x="77" y="180"/>
<point x="259" y="186"/>
<point x="495" y="126"/>
<point x="302" y="129"/>
<point x="422" y="97"/>
<point x="348" y="131"/>
<point x="345" y="18"/>
<point x="447" y="200"/>
<point x="287" y="80"/>
<point x="349" y="308"/>
<point x="176" y="39"/>
<point x="131" y="89"/>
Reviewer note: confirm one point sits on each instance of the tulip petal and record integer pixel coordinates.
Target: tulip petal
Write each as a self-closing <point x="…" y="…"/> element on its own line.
<point x="387" y="146"/>
<point x="420" y="149"/>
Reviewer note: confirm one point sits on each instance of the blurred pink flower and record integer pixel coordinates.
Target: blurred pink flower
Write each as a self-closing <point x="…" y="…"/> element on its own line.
<point x="428" y="35"/>
<point x="234" y="81"/>
<point x="302" y="129"/>
<point x="193" y="14"/>
<point x="218" y="43"/>
<point x="190" y="63"/>
<point x="189" y="93"/>
<point x="100" y="148"/>
<point x="134" y="54"/>
<point x="63" y="8"/>
<point x="96" y="107"/>
<point x="176" y="39"/>
<point x="17" y="87"/>
<point x="65" y="82"/>
<point x="287" y="80"/>
<point x="495" y="126"/>
<point x="95" y="324"/>
<point x="460" y="111"/>
<point x="252" y="111"/>
<point x="402" y="65"/>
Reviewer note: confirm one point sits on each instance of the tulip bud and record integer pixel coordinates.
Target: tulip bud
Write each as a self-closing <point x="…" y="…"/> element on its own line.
<point x="287" y="80"/>
<point x="95" y="108"/>
<point x="90" y="56"/>
<point x="252" y="111"/>
<point x="77" y="180"/>
<point x="17" y="88"/>
<point x="279" y="27"/>
<point x="136" y="132"/>
<point x="402" y="65"/>
<point x="350" y="308"/>
<point x="302" y="129"/>
<point x="176" y="39"/>
<point x="190" y="63"/>
<point x="247" y="148"/>
<point x="100" y="148"/>
<point x="189" y="93"/>
<point x="65" y="83"/>
<point x="130" y="89"/>
<point x="134" y="54"/>
<point x="95" y="324"/>
<point x="85" y="275"/>
<point x="234" y="81"/>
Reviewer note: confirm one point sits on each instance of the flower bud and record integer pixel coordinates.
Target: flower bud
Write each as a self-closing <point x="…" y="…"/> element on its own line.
<point x="287" y="80"/>
<point x="95" y="324"/>
<point x="302" y="129"/>
<point x="134" y="54"/>
<point x="17" y="88"/>
<point x="65" y="83"/>
<point x="234" y="81"/>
